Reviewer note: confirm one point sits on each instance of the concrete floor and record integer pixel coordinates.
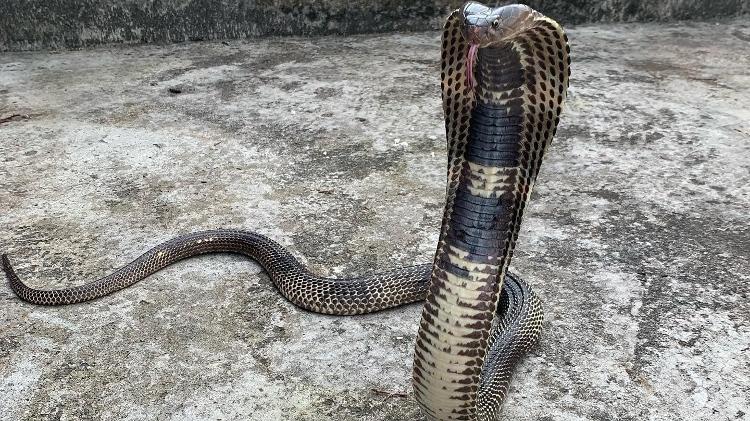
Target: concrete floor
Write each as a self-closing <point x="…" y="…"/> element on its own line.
<point x="637" y="239"/>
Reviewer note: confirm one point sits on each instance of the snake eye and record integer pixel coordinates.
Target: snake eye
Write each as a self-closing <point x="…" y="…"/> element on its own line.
<point x="496" y="24"/>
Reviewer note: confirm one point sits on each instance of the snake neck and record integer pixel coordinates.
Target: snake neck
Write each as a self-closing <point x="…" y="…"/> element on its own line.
<point x="514" y="111"/>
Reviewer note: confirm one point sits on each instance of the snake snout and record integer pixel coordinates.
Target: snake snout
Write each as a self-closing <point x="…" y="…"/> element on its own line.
<point x="477" y="22"/>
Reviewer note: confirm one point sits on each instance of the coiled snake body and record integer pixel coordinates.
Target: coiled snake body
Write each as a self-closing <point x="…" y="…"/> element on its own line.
<point x="504" y="78"/>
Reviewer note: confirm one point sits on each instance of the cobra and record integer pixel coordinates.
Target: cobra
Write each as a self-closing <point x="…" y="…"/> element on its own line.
<point x="504" y="78"/>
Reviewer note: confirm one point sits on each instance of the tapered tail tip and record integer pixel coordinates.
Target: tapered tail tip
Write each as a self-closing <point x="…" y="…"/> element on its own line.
<point x="5" y="265"/>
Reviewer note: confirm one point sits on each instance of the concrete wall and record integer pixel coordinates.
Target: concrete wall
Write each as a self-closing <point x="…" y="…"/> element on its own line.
<point x="42" y="24"/>
<point x="579" y="11"/>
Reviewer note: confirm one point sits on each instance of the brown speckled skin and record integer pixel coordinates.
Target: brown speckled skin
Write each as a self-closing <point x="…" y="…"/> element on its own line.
<point x="474" y="328"/>
<point x="321" y="295"/>
<point x="344" y="296"/>
<point x="498" y="128"/>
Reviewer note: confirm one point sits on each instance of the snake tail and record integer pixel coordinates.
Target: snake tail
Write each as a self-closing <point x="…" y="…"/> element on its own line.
<point x="321" y="295"/>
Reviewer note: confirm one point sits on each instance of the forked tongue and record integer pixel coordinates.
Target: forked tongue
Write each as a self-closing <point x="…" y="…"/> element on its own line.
<point x="470" y="60"/>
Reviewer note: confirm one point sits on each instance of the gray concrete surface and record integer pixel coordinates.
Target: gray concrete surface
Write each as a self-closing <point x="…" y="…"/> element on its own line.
<point x="65" y="24"/>
<point x="636" y="238"/>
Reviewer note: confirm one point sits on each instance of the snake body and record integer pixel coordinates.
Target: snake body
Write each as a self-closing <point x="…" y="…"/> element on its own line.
<point x="504" y="78"/>
<point x="501" y="115"/>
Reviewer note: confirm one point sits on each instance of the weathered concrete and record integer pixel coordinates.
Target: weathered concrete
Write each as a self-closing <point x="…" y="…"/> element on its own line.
<point x="636" y="238"/>
<point x="35" y="24"/>
<point x="579" y="11"/>
<point x="61" y="24"/>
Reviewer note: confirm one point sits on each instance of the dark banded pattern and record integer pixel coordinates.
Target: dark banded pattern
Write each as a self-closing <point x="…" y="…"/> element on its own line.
<point x="475" y="328"/>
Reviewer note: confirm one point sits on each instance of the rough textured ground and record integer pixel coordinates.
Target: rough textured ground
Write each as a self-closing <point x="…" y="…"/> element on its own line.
<point x="42" y="24"/>
<point x="636" y="238"/>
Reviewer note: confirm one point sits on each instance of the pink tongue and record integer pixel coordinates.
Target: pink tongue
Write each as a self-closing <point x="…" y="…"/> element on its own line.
<point x="472" y="57"/>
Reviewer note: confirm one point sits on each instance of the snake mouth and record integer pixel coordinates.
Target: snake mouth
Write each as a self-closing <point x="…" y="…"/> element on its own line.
<point x="478" y="27"/>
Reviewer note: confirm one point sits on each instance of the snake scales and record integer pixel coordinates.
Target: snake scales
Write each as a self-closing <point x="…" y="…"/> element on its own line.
<point x="504" y="78"/>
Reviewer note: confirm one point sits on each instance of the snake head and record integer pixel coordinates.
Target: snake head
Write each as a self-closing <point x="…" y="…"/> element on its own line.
<point x="483" y="26"/>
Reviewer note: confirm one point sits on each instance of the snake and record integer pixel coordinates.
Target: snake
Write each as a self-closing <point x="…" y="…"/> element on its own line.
<point x="504" y="78"/>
